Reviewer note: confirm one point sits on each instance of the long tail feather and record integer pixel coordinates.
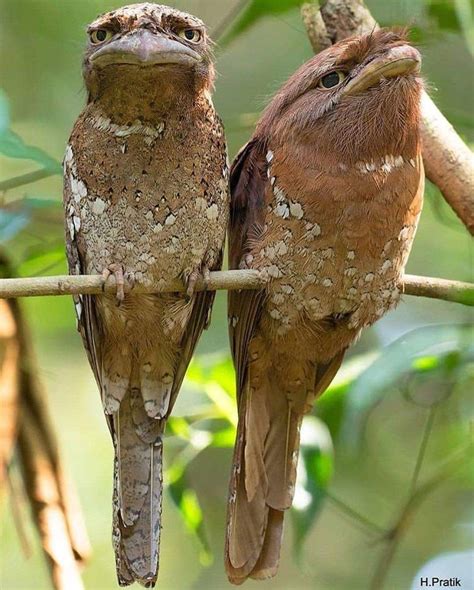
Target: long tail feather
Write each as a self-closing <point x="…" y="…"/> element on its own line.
<point x="262" y="482"/>
<point x="265" y="462"/>
<point x="137" y="492"/>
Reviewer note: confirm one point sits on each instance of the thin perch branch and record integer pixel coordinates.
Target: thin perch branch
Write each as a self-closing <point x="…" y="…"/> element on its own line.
<point x="449" y="163"/>
<point x="455" y="291"/>
<point x="94" y="284"/>
<point x="232" y="280"/>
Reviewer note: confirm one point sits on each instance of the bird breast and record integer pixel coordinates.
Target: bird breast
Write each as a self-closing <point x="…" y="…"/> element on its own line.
<point x="146" y="195"/>
<point x="335" y="243"/>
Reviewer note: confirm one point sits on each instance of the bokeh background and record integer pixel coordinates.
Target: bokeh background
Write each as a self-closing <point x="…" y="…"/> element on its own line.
<point x="404" y="387"/>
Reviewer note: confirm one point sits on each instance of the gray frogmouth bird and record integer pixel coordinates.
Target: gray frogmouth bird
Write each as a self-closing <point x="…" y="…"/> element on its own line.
<point x="146" y="199"/>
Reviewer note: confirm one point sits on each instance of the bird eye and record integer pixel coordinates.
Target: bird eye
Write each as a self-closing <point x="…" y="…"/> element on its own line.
<point x="191" y="35"/>
<point x="332" y="80"/>
<point x="100" y="36"/>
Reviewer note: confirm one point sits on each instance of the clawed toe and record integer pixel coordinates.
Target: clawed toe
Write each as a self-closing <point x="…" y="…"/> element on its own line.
<point x="115" y="270"/>
<point x="193" y="279"/>
<point x="191" y="283"/>
<point x="206" y="277"/>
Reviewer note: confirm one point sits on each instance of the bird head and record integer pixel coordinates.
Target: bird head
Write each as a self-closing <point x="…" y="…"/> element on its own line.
<point x="148" y="44"/>
<point x="357" y="98"/>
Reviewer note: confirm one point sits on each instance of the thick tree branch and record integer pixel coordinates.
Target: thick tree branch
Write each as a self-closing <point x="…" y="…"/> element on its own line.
<point x="456" y="291"/>
<point x="449" y="163"/>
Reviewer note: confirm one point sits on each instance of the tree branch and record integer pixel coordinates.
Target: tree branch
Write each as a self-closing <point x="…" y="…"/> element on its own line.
<point x="232" y="280"/>
<point x="455" y="291"/>
<point x="449" y="163"/>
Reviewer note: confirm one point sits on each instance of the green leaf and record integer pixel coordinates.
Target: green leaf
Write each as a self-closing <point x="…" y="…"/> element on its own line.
<point x="41" y="203"/>
<point x="4" y="112"/>
<point x="444" y="14"/>
<point x="223" y="373"/>
<point x="42" y="260"/>
<point x="465" y="14"/>
<point x="13" y="146"/>
<point x="12" y="223"/>
<point x="179" y="427"/>
<point x="223" y="402"/>
<point x="332" y="406"/>
<point x="215" y="375"/>
<point x="252" y="12"/>
<point x="190" y="510"/>
<point x="223" y="438"/>
<point x="315" y="472"/>
<point x="406" y="363"/>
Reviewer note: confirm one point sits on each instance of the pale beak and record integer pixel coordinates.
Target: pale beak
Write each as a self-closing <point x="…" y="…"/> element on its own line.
<point x="144" y="48"/>
<point x="398" y="61"/>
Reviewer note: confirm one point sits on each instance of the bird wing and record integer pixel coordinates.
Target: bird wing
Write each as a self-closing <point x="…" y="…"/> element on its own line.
<point x="248" y="182"/>
<point x="198" y="321"/>
<point x="264" y="467"/>
<point x="87" y="323"/>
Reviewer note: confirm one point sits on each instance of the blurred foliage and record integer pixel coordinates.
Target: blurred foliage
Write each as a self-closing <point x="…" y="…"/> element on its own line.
<point x="249" y="12"/>
<point x="454" y="16"/>
<point x="391" y="410"/>
<point x="426" y="367"/>
<point x="12" y="146"/>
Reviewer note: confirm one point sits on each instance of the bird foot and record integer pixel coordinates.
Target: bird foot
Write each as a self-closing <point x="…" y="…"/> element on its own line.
<point x="194" y="277"/>
<point x="115" y="270"/>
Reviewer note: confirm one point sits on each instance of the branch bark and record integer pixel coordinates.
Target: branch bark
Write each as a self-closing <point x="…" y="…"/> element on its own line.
<point x="449" y="163"/>
<point x="25" y="426"/>
<point x="456" y="291"/>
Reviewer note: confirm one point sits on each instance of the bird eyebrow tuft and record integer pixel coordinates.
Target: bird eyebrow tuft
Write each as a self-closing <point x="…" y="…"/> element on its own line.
<point x="109" y="21"/>
<point x="174" y="21"/>
<point x="358" y="48"/>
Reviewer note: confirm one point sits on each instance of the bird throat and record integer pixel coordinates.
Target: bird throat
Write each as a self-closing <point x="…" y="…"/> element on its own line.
<point x="153" y="93"/>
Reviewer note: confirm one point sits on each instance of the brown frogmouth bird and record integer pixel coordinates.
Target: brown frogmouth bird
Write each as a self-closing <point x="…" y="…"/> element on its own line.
<point x="325" y="202"/>
<point x="146" y="199"/>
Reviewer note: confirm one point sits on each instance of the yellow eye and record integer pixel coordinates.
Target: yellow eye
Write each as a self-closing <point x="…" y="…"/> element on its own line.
<point x="100" y="36"/>
<point x="332" y="79"/>
<point x="191" y="35"/>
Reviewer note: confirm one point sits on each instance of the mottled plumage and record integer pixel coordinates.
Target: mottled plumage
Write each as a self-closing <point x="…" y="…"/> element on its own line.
<point x="146" y="196"/>
<point x="325" y="202"/>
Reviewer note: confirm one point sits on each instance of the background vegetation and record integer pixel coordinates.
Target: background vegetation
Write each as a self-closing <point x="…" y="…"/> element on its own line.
<point x="385" y="484"/>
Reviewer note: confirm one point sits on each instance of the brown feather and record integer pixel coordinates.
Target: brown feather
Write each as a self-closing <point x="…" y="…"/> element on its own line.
<point x="146" y="195"/>
<point x="325" y="202"/>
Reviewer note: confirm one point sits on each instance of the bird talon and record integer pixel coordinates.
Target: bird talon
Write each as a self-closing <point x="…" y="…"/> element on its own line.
<point x="191" y="283"/>
<point x="206" y="278"/>
<point x="117" y="271"/>
<point x="105" y="275"/>
<point x="130" y="279"/>
<point x="193" y="279"/>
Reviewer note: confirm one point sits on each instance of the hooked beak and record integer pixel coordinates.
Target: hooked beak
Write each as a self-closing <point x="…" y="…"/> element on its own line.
<point x="144" y="48"/>
<point x="398" y="61"/>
